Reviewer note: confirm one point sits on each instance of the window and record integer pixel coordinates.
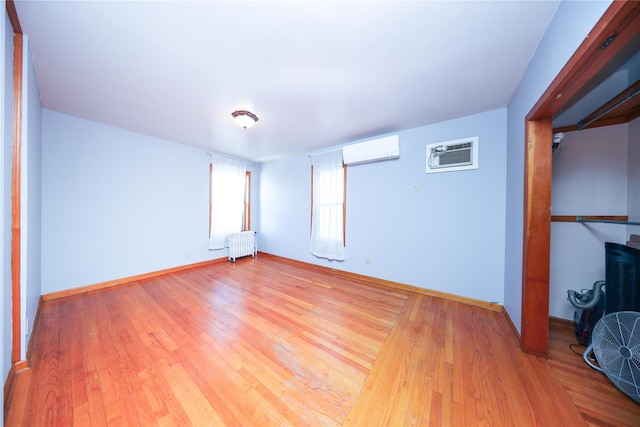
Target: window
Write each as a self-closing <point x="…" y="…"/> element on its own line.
<point x="227" y="200"/>
<point x="246" y="218"/>
<point x="328" y="207"/>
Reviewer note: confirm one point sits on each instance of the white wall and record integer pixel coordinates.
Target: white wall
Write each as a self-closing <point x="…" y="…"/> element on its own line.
<point x="570" y="25"/>
<point x="590" y="172"/>
<point x="117" y="204"/>
<point x="447" y="236"/>
<point x="589" y="178"/>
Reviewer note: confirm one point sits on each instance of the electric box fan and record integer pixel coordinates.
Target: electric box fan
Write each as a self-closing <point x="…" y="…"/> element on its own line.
<point x="615" y="341"/>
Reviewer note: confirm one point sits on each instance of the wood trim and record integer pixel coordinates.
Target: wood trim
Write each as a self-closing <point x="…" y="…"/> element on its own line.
<point x="573" y="218"/>
<point x="620" y="20"/>
<point x="511" y="325"/>
<point x="537" y="237"/>
<point x="569" y="128"/>
<point x="600" y="123"/>
<point x="311" y="216"/>
<point x="126" y="280"/>
<point x="13" y="16"/>
<point x="344" y="206"/>
<point x="247" y="205"/>
<point x="20" y="366"/>
<point x="210" y="196"/>
<point x="16" y="173"/>
<point x="387" y="284"/>
<point x="561" y="323"/>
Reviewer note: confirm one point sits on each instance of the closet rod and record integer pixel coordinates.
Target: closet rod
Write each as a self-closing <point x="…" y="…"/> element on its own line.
<point x="606" y="221"/>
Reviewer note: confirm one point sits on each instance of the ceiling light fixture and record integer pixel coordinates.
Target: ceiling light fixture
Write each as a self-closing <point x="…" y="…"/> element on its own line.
<point x="245" y="118"/>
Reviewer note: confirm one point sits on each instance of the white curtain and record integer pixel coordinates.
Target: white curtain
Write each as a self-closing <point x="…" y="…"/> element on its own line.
<point x="227" y="200"/>
<point x="327" y="224"/>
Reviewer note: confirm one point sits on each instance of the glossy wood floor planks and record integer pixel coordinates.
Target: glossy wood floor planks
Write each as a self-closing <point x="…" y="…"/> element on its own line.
<point x="598" y="401"/>
<point x="265" y="342"/>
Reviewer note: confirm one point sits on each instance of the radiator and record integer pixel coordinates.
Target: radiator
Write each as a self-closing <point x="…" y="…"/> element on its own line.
<point x="241" y="244"/>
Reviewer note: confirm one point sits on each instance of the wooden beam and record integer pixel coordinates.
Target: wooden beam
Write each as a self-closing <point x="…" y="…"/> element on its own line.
<point x="13" y="16"/>
<point x="15" y="200"/>
<point x="537" y="236"/>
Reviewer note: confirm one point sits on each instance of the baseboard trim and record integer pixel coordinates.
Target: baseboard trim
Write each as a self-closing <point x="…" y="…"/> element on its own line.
<point x="562" y="323"/>
<point x="388" y="284"/>
<point x="511" y="325"/>
<point x="126" y="280"/>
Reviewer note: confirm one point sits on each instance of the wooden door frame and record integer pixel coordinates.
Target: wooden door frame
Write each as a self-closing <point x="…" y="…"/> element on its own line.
<point x="617" y="26"/>
<point x="16" y="172"/>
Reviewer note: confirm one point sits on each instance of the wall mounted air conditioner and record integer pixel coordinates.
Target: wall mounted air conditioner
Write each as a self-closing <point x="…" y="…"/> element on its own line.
<point x="456" y="155"/>
<point x="371" y="151"/>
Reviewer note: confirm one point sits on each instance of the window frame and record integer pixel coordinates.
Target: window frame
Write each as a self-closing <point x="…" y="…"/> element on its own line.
<point x="246" y="215"/>
<point x="344" y="205"/>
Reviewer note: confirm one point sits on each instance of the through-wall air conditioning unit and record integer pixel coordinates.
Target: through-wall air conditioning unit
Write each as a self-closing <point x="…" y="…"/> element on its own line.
<point x="460" y="154"/>
<point x="371" y="151"/>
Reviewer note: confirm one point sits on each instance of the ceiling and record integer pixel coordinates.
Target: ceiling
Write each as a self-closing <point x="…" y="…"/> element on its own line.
<point x="317" y="74"/>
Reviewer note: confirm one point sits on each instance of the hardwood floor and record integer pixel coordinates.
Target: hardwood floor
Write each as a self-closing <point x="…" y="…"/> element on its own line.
<point x="599" y="402"/>
<point x="268" y="342"/>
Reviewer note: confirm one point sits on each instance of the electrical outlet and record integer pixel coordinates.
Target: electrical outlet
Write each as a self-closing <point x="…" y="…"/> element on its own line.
<point x="416" y="187"/>
<point x="367" y="261"/>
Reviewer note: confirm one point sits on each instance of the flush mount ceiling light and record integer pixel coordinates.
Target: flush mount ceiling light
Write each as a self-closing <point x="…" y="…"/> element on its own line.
<point x="245" y="118"/>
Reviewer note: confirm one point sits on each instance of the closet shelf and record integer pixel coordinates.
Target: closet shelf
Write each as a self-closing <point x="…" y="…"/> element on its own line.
<point x="606" y="219"/>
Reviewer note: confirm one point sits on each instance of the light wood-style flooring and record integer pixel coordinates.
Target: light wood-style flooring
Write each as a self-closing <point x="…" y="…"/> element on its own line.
<point x="269" y="342"/>
<point x="599" y="402"/>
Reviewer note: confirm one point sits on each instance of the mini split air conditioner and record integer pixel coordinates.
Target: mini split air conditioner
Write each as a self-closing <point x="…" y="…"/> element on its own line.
<point x="371" y="151"/>
<point x="460" y="154"/>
